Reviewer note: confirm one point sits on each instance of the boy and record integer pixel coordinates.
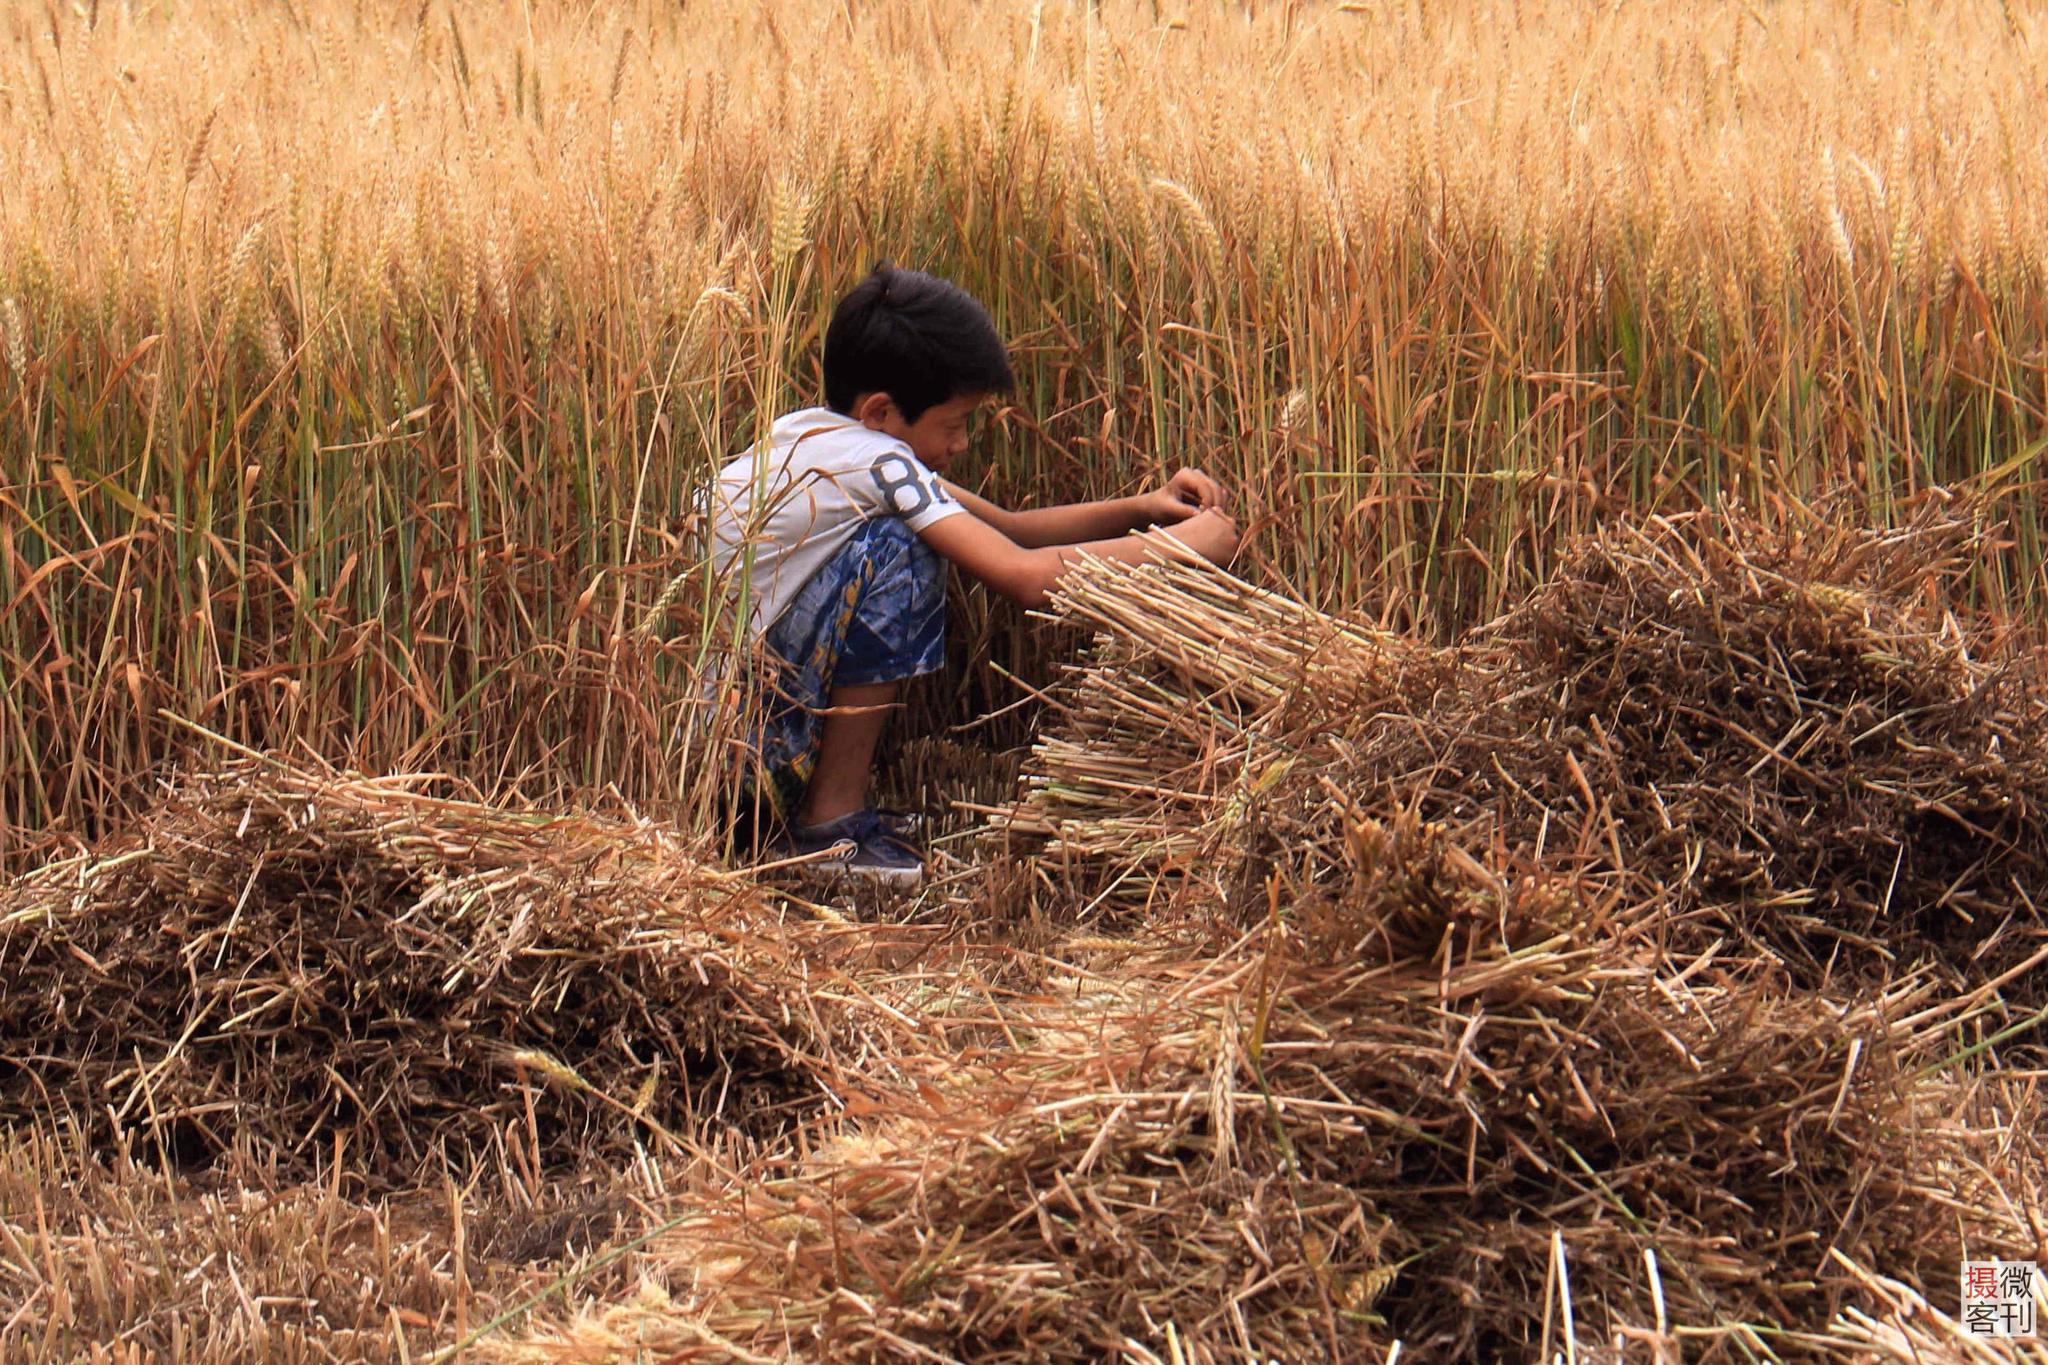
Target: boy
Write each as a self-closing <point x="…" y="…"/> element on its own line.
<point x="841" y="525"/>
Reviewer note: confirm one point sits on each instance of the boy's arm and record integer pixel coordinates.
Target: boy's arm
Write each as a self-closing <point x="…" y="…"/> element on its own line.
<point x="1026" y="573"/>
<point x="1186" y="493"/>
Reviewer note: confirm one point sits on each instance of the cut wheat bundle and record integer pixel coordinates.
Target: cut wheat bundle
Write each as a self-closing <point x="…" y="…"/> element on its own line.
<point x="1786" y="728"/>
<point x="278" y="955"/>
<point x="1793" y="720"/>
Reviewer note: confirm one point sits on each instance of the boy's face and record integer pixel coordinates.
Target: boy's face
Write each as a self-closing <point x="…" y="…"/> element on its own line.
<point x="938" y="437"/>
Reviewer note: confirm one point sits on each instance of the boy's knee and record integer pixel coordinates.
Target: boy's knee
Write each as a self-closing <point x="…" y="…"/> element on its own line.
<point x="898" y="627"/>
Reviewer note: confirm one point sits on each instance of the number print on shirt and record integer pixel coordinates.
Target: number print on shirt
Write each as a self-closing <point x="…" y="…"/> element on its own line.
<point x="906" y="478"/>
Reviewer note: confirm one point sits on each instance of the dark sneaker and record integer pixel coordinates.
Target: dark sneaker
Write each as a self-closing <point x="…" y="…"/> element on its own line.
<point x="865" y="846"/>
<point x="906" y="825"/>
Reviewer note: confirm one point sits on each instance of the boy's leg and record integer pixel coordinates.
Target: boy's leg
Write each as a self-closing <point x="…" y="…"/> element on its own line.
<point x="871" y="618"/>
<point x="846" y="751"/>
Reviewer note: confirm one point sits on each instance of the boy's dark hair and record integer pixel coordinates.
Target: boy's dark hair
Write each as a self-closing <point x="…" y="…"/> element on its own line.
<point x="920" y="339"/>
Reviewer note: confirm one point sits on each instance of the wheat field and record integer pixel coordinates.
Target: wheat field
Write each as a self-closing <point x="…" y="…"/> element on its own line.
<point x="361" y="365"/>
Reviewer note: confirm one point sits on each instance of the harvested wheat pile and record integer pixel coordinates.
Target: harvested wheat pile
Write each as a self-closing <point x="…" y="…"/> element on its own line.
<point x="1781" y="728"/>
<point x="1313" y="1145"/>
<point x="1571" y="1090"/>
<point x="276" y="957"/>
<point x="1791" y="719"/>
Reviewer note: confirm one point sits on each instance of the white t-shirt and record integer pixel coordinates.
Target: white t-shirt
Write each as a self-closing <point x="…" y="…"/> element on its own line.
<point x="801" y="496"/>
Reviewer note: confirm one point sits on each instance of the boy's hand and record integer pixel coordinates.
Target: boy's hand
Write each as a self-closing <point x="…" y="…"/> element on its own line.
<point x="1188" y="492"/>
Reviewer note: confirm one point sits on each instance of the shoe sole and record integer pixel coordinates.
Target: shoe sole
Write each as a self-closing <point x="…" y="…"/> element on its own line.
<point x="895" y="878"/>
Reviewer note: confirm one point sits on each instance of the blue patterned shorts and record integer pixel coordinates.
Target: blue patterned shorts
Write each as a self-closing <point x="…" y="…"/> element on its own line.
<point x="876" y="612"/>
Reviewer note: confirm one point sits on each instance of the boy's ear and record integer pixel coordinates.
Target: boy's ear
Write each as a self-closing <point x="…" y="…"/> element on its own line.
<point x="871" y="410"/>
